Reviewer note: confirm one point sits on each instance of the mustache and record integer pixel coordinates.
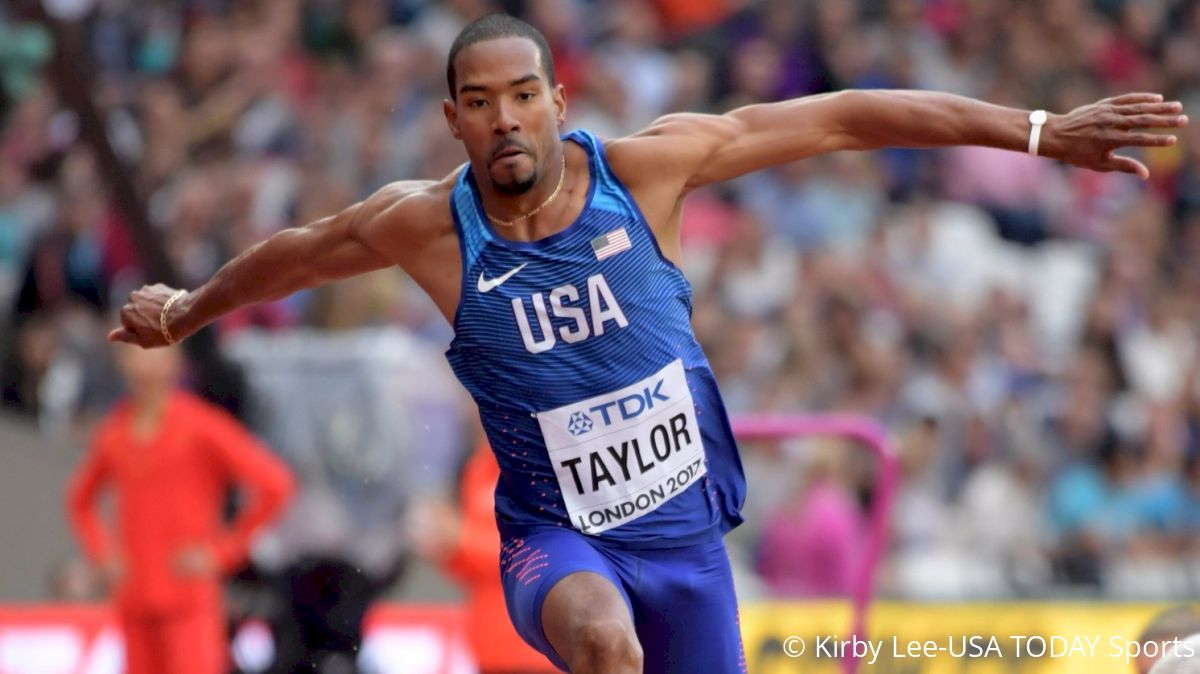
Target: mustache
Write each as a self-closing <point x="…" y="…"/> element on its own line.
<point x="509" y="144"/>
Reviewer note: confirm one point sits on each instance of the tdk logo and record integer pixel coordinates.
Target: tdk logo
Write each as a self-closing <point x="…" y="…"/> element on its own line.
<point x="579" y="423"/>
<point x="631" y="406"/>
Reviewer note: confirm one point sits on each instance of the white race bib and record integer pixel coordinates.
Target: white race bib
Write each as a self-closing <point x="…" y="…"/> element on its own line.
<point x="623" y="454"/>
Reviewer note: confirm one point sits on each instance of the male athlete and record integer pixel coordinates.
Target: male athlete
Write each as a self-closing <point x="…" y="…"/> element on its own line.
<point x="554" y="258"/>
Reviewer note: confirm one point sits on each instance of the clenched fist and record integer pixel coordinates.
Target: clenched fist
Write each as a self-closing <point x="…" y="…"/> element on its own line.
<point x="142" y="317"/>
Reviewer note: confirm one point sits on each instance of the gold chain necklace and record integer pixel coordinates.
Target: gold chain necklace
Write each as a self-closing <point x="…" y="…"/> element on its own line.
<point x="562" y="174"/>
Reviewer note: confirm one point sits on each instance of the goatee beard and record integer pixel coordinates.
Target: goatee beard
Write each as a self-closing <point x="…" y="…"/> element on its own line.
<point x="516" y="188"/>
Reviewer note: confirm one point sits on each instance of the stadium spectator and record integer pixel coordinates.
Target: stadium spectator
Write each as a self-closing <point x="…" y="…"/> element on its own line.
<point x="169" y="459"/>
<point x="811" y="543"/>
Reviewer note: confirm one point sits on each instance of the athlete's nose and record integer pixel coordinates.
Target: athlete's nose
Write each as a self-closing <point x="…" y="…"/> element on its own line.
<point x="505" y="122"/>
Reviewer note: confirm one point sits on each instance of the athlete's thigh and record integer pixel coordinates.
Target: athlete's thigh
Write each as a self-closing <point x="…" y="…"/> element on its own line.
<point x="686" y="613"/>
<point x="585" y="613"/>
<point x="555" y="578"/>
<point x="196" y="642"/>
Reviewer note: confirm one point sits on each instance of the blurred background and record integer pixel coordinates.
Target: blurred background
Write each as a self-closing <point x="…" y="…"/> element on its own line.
<point x="1026" y="332"/>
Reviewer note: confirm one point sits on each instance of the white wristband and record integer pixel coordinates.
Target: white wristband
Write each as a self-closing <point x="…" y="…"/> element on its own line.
<point x="1036" y="119"/>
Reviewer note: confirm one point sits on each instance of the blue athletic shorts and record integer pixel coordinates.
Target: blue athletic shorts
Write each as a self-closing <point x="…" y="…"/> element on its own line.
<point x="681" y="599"/>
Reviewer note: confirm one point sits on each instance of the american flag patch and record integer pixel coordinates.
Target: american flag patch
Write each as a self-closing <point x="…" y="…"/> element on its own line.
<point x="607" y="245"/>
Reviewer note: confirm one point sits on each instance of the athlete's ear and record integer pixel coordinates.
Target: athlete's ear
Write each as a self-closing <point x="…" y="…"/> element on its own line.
<point x="560" y="104"/>
<point x="451" y="114"/>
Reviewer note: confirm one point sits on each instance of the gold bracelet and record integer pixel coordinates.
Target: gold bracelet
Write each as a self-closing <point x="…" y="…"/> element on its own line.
<point x="162" y="317"/>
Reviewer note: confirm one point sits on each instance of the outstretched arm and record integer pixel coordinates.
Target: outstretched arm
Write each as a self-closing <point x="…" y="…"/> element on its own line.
<point x="704" y="149"/>
<point x="291" y="260"/>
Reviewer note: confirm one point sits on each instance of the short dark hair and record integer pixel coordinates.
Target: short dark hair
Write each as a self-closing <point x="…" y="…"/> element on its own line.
<point x="493" y="27"/>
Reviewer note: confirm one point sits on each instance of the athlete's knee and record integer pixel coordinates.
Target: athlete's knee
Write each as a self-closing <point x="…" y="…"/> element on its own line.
<point x="605" y="645"/>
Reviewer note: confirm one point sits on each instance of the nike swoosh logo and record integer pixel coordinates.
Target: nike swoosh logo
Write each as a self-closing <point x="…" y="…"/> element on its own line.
<point x="485" y="285"/>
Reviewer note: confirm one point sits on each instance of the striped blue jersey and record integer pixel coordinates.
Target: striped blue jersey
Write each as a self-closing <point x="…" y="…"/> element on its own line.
<point x="597" y="400"/>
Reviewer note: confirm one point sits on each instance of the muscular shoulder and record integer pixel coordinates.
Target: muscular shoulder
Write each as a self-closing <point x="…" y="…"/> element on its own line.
<point x="419" y="205"/>
<point x="673" y="148"/>
<point x="406" y="213"/>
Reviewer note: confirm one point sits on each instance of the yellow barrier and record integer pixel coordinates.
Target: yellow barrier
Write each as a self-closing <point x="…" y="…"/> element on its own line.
<point x="911" y="638"/>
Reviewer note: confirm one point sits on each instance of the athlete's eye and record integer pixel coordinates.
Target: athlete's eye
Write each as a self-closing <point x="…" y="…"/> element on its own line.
<point x="476" y="103"/>
<point x="526" y="96"/>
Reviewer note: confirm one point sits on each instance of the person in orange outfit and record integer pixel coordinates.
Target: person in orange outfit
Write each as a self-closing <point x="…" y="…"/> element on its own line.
<point x="169" y="458"/>
<point x="466" y="544"/>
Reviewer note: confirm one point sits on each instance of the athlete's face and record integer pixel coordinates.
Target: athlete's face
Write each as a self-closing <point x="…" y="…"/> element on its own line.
<point x="505" y="111"/>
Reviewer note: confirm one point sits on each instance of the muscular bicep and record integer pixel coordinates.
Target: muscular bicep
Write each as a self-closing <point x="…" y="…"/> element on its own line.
<point x="341" y="250"/>
<point x="346" y="255"/>
<point x="347" y="244"/>
<point x="696" y="150"/>
<point x="771" y="134"/>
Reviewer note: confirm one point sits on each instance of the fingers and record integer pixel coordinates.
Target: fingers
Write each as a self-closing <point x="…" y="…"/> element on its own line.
<point x="1146" y="139"/>
<point x="1116" y="162"/>
<point x="1163" y="108"/>
<point x="1152" y="121"/>
<point x="140" y="314"/>
<point x="127" y="336"/>
<point x="1126" y="99"/>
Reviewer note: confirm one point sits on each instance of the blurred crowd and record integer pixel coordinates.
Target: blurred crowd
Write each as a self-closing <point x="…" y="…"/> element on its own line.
<point x="1026" y="331"/>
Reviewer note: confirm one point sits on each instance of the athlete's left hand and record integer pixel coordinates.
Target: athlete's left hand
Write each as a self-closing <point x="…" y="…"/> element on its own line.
<point x="1090" y="135"/>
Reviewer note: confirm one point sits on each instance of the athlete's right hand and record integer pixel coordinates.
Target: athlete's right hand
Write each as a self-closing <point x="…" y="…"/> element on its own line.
<point x="140" y="318"/>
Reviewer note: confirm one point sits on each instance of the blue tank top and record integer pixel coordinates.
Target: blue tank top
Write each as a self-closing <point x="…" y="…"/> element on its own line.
<point x="596" y="398"/>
